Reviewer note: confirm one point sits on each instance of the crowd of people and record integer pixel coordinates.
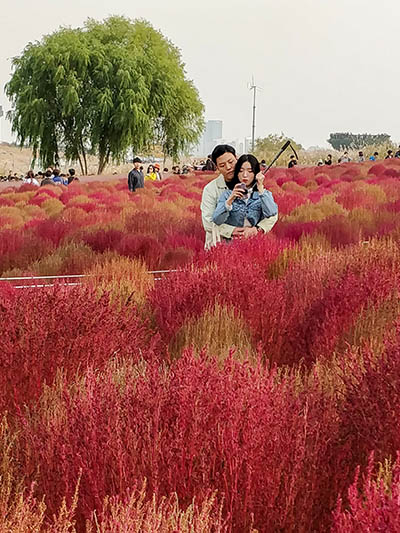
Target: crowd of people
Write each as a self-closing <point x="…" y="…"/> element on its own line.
<point x="51" y="176"/>
<point x="345" y="158"/>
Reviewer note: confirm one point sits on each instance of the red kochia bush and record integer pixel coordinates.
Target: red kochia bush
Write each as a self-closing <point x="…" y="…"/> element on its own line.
<point x="193" y="429"/>
<point x="374" y="508"/>
<point x="61" y="328"/>
<point x="370" y="413"/>
<point x="142" y="247"/>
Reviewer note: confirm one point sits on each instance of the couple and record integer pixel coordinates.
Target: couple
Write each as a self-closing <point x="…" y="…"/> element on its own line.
<point x="236" y="205"/>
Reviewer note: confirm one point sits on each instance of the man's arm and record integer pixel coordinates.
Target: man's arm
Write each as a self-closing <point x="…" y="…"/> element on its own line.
<point x="133" y="182"/>
<point x="208" y="205"/>
<point x="266" y="224"/>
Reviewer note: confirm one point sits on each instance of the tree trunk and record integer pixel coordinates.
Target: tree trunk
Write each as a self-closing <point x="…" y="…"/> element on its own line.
<point x="103" y="161"/>
<point x="81" y="164"/>
<point x="84" y="158"/>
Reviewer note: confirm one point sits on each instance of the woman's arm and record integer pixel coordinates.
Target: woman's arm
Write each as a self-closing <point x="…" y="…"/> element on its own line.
<point x="268" y="205"/>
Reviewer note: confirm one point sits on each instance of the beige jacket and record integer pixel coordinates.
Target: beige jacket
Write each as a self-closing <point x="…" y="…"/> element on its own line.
<point x="211" y="193"/>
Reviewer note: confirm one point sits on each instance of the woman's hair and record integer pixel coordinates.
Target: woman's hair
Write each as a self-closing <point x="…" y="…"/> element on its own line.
<point x="150" y="167"/>
<point x="255" y="167"/>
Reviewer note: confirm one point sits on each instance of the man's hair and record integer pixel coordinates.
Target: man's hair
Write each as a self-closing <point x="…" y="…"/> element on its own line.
<point x="56" y="172"/>
<point x="71" y="172"/>
<point x="137" y="160"/>
<point x="222" y="149"/>
<point x="376" y="153"/>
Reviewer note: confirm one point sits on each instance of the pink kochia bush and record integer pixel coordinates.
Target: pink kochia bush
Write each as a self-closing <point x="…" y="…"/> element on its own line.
<point x="161" y="223"/>
<point x="196" y="428"/>
<point x="63" y="329"/>
<point x="376" y="507"/>
<point x="257" y="388"/>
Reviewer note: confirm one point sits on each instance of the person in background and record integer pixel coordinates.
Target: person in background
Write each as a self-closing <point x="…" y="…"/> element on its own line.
<point x="157" y="171"/>
<point x="328" y="160"/>
<point x="135" y="176"/>
<point x="59" y="180"/>
<point x="389" y="154"/>
<point x="345" y="158"/>
<point x="361" y="157"/>
<point x="30" y="178"/>
<point x="71" y="176"/>
<point x="263" y="166"/>
<point x="210" y="165"/>
<point x="320" y="163"/>
<point x="374" y="157"/>
<point x="224" y="157"/>
<point x="150" y="175"/>
<point x="397" y="154"/>
<point x="246" y="202"/>
<point x="292" y="162"/>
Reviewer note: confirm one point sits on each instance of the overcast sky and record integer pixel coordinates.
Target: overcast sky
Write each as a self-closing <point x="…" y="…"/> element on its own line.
<point x="323" y="65"/>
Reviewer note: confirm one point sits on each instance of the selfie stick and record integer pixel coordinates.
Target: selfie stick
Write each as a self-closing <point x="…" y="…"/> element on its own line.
<point x="284" y="147"/>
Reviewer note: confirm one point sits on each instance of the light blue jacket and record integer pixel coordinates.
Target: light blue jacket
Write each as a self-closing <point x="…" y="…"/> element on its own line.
<point x="257" y="207"/>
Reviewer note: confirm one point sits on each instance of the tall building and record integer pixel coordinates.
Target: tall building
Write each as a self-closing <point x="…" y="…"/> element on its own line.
<point x="211" y="136"/>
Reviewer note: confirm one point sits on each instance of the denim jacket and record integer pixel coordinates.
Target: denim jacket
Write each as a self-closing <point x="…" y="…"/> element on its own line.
<point x="257" y="207"/>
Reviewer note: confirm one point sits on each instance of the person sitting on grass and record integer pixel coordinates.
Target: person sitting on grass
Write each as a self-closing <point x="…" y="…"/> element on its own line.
<point x="246" y="202"/>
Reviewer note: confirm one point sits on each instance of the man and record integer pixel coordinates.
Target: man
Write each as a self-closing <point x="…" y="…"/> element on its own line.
<point x="397" y="154"/>
<point x="224" y="158"/>
<point x="328" y="160"/>
<point x="374" y="157"/>
<point x="361" y="157"/>
<point x="292" y="161"/>
<point x="135" y="176"/>
<point x="71" y="176"/>
<point x="59" y="180"/>
<point x="389" y="154"/>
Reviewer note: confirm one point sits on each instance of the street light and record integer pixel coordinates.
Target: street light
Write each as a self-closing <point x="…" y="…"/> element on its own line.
<point x="253" y="87"/>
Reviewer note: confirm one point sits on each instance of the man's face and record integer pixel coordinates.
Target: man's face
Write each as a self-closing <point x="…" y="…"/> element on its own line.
<point x="137" y="165"/>
<point x="226" y="165"/>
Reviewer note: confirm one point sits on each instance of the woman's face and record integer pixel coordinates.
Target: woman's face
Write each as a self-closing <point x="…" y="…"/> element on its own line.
<point x="151" y="169"/>
<point x="246" y="174"/>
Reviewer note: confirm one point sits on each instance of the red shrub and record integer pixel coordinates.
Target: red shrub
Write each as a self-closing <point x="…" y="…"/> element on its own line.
<point x="67" y="328"/>
<point x="143" y="247"/>
<point x="373" y="507"/>
<point x="194" y="429"/>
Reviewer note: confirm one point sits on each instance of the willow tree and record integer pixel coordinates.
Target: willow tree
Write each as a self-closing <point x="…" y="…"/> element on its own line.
<point x="104" y="88"/>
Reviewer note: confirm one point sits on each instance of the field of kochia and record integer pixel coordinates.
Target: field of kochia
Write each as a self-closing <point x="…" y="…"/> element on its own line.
<point x="257" y="388"/>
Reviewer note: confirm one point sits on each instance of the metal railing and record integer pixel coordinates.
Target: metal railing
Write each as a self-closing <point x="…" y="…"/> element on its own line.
<point x="158" y="275"/>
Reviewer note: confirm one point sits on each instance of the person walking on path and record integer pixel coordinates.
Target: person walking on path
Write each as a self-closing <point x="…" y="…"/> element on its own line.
<point x="135" y="176"/>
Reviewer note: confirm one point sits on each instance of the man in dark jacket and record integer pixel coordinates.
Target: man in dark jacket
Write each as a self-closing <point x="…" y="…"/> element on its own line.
<point x="135" y="176"/>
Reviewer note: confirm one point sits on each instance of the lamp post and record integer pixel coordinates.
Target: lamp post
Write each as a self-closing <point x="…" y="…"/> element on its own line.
<point x="253" y="87"/>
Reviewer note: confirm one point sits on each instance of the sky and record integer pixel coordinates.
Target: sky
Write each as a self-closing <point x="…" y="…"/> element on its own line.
<point x="322" y="66"/>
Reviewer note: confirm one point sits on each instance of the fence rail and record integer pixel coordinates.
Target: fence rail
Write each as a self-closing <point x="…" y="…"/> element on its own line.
<point x="158" y="275"/>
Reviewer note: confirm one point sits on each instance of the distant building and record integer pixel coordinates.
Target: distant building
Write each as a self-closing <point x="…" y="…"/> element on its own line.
<point x="247" y="145"/>
<point x="212" y="136"/>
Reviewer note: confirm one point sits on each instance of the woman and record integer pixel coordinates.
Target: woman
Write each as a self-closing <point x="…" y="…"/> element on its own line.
<point x="151" y="175"/>
<point x="246" y="202"/>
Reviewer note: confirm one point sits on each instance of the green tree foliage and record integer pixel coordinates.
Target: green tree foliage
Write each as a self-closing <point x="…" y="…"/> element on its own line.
<point x="267" y="147"/>
<point x="356" y="141"/>
<point x="104" y="88"/>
